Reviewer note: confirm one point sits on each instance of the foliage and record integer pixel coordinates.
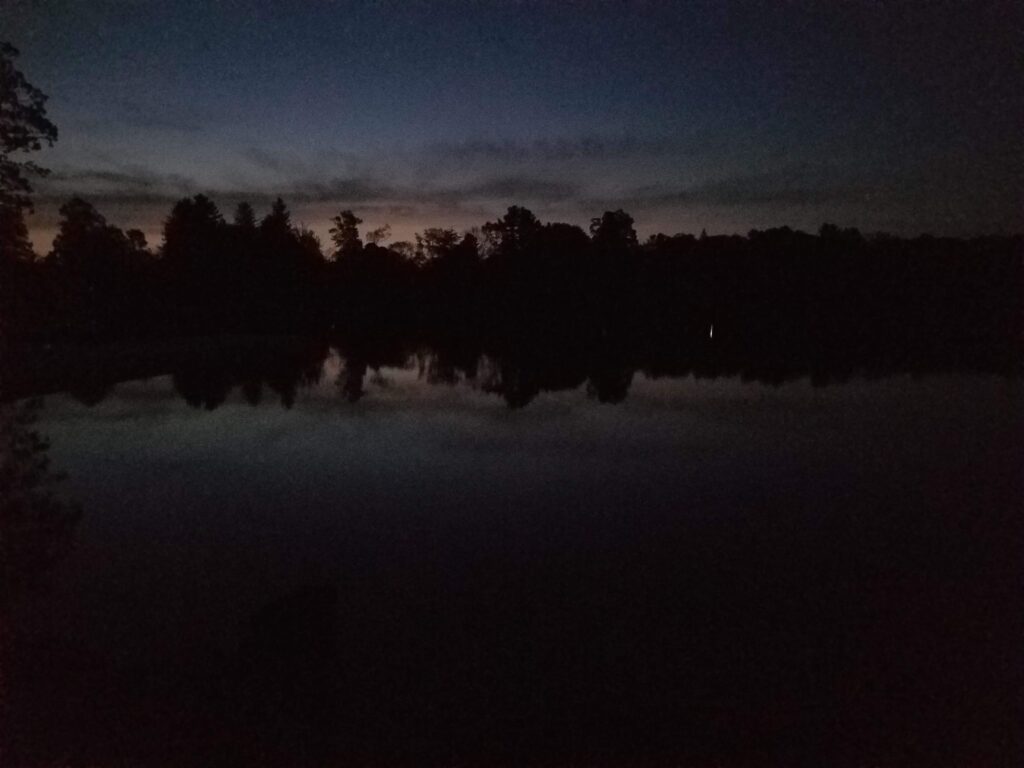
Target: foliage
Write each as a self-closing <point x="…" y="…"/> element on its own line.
<point x="15" y="247"/>
<point x="345" y="234"/>
<point x="24" y="128"/>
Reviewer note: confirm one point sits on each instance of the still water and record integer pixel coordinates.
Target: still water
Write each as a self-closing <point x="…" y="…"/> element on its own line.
<point x="707" y="572"/>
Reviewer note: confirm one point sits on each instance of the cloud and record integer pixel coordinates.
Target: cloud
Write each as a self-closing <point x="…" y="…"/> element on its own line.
<point x="135" y="183"/>
<point x="353" y="190"/>
<point x="799" y="184"/>
<point x="512" y="189"/>
<point x="127" y="183"/>
<point x="89" y="116"/>
<point x="183" y="117"/>
<point x="549" y="150"/>
<point x="792" y="185"/>
<point x="394" y="178"/>
<point x="376" y="190"/>
<point x="137" y="196"/>
<point x="268" y="160"/>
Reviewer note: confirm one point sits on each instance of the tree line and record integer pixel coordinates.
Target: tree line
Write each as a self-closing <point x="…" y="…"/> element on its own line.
<point x="512" y="276"/>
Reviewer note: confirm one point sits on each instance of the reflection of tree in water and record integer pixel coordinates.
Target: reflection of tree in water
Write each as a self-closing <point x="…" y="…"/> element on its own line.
<point x="516" y="384"/>
<point x="519" y="379"/>
<point x="610" y="386"/>
<point x="350" y="380"/>
<point x="379" y="380"/>
<point x="36" y="522"/>
<point x="363" y="358"/>
<point x="517" y="369"/>
<point x="448" y="364"/>
<point x="206" y="380"/>
<point x="36" y="529"/>
<point x="90" y="391"/>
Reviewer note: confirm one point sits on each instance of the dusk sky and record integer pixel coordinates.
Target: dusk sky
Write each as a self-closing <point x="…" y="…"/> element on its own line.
<point x="904" y="117"/>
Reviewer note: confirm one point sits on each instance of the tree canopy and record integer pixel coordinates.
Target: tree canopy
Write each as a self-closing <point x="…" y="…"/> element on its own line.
<point x="24" y="128"/>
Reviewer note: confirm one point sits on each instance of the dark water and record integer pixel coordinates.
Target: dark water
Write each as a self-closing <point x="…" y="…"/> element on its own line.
<point x="709" y="572"/>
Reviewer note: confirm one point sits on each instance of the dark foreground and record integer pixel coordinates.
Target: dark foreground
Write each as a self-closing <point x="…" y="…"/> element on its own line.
<point x="396" y="568"/>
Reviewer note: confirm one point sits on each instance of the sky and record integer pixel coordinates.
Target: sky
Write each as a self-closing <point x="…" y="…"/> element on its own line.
<point x="904" y="116"/>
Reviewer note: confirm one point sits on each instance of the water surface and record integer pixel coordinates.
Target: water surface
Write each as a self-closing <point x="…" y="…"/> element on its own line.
<point x="707" y="572"/>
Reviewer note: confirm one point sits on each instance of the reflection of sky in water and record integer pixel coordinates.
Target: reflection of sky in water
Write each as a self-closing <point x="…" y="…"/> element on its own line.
<point x="810" y="519"/>
<point x="409" y="443"/>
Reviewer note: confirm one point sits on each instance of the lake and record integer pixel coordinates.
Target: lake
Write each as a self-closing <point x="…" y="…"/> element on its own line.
<point x="388" y="565"/>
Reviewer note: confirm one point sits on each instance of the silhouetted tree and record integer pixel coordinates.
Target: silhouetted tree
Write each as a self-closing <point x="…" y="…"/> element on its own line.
<point x="467" y="253"/>
<point x="245" y="216"/>
<point x="287" y="263"/>
<point x="276" y="227"/>
<point x="613" y="231"/>
<point x="405" y="249"/>
<point x="137" y="242"/>
<point x="379" y="235"/>
<point x="557" y="237"/>
<point x="85" y="243"/>
<point x="105" y="275"/>
<point x="512" y="234"/>
<point x="197" y="257"/>
<point x="372" y="285"/>
<point x="15" y="247"/>
<point x="345" y="235"/>
<point x="309" y="244"/>
<point x="24" y="127"/>
<point x="242" y="248"/>
<point x="23" y="295"/>
<point x="193" y="234"/>
<point x="450" y="273"/>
